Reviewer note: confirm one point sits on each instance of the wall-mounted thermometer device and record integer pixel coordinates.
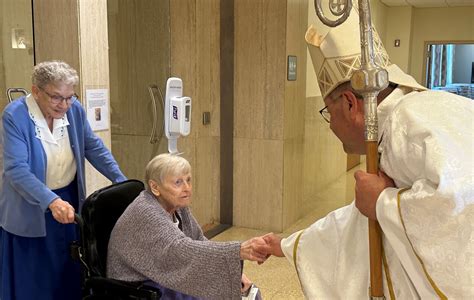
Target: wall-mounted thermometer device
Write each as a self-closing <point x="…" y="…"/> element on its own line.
<point x="177" y="113"/>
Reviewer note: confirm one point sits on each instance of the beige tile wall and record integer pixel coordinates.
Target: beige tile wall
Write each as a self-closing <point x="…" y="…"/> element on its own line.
<point x="292" y="208"/>
<point x="268" y="113"/>
<point x="258" y="183"/>
<point x="15" y="64"/>
<point x="3" y="99"/>
<point x="399" y="26"/>
<point x="259" y="93"/>
<point x="324" y="157"/>
<point x="139" y="38"/>
<point x="260" y="66"/>
<point x="62" y="30"/>
<point x="195" y="59"/>
<point x="294" y="111"/>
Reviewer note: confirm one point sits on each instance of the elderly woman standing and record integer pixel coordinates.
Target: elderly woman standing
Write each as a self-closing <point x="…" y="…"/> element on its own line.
<point x="158" y="240"/>
<point x="46" y="138"/>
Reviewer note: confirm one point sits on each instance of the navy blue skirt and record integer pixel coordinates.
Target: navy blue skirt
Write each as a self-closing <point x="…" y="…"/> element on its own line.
<point x="41" y="268"/>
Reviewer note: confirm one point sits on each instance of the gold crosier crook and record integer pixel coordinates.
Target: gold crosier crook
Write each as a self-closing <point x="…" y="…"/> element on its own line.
<point x="369" y="80"/>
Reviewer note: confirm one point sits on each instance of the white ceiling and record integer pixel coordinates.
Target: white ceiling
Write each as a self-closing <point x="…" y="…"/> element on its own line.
<point x="428" y="3"/>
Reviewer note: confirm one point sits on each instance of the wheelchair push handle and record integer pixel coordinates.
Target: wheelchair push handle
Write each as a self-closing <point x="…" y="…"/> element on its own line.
<point x="78" y="220"/>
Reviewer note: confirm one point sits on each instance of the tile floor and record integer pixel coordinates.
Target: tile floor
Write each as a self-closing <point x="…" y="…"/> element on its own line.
<point x="277" y="278"/>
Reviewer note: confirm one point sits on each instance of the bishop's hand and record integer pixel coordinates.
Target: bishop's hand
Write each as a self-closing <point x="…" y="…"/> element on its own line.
<point x="368" y="188"/>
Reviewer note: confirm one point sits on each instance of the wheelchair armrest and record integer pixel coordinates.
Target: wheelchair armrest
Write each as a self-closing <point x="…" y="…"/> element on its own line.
<point x="110" y="286"/>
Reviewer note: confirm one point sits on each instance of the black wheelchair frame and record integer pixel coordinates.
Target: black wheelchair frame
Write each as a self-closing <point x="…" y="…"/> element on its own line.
<point x="100" y="212"/>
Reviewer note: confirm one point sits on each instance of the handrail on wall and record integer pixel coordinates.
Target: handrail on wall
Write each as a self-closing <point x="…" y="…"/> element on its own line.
<point x="10" y="91"/>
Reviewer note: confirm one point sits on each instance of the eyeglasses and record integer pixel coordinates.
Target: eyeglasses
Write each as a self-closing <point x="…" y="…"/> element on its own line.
<point x="325" y="114"/>
<point x="56" y="99"/>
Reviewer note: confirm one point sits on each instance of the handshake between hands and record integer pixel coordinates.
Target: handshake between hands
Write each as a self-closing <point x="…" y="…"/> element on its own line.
<point x="260" y="248"/>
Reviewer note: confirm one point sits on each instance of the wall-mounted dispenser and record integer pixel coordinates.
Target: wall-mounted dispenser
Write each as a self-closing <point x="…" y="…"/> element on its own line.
<point x="177" y="113"/>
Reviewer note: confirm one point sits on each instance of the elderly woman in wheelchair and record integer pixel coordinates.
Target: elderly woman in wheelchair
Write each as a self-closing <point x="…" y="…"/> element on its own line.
<point x="158" y="240"/>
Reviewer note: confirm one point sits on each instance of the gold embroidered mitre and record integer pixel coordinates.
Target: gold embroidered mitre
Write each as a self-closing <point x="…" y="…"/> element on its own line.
<point x="336" y="55"/>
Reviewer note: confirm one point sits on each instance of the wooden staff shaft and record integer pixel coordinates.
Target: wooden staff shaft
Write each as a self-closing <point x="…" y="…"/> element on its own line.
<point x="375" y="233"/>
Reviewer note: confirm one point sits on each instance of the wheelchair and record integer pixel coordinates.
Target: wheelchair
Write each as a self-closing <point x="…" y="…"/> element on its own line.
<point x="100" y="212"/>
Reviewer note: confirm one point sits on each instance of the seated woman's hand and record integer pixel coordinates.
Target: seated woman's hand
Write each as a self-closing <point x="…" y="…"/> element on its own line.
<point x="63" y="212"/>
<point x="246" y="284"/>
<point x="255" y="249"/>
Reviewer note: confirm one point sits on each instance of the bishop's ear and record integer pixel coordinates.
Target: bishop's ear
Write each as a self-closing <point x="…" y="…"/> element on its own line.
<point x="352" y="106"/>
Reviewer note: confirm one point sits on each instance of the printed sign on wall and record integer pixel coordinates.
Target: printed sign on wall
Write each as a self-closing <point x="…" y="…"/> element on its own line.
<point x="98" y="108"/>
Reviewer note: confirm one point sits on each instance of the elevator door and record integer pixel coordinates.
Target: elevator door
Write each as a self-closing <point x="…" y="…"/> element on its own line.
<point x="139" y="54"/>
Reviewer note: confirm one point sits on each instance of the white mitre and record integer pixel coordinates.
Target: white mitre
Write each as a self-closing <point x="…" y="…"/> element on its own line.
<point x="336" y="55"/>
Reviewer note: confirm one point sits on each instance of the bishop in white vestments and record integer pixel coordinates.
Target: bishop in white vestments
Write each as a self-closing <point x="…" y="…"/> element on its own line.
<point x="423" y="200"/>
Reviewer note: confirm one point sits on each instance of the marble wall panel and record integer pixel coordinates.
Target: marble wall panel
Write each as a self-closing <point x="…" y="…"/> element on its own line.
<point x="258" y="183"/>
<point x="15" y="63"/>
<point x="58" y="37"/>
<point x="260" y="66"/>
<point x="324" y="157"/>
<point x="293" y="183"/>
<point x="195" y="59"/>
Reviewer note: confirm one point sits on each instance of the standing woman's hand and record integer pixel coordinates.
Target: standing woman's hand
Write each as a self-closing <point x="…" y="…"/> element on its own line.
<point x="63" y="212"/>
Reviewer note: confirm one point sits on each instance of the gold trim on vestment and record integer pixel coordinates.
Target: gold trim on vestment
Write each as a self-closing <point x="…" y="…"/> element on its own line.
<point x="387" y="275"/>
<point x="295" y="250"/>
<point x="440" y="294"/>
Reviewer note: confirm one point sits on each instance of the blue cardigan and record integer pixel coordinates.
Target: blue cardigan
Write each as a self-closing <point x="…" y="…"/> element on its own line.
<point x="24" y="196"/>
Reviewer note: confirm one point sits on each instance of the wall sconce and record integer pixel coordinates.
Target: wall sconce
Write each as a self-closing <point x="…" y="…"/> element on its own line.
<point x="397" y="43"/>
<point x="19" y="40"/>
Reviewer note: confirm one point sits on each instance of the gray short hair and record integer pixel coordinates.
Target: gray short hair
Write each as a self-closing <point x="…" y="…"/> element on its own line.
<point x="165" y="165"/>
<point x="54" y="72"/>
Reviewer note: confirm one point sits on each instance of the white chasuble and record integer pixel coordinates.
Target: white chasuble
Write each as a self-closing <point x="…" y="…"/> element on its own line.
<point x="426" y="147"/>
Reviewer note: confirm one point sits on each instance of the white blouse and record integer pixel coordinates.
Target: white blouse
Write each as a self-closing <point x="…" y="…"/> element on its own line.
<point x="175" y="221"/>
<point x="61" y="165"/>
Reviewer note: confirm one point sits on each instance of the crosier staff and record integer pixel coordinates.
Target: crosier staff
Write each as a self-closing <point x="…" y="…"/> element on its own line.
<point x="369" y="80"/>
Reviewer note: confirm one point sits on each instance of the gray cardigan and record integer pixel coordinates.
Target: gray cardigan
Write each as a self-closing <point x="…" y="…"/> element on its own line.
<point x="145" y="244"/>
